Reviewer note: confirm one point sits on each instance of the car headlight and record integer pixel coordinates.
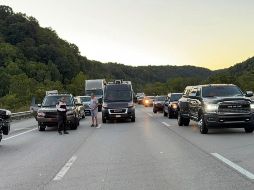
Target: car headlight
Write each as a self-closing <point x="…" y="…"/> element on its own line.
<point x="105" y="105"/>
<point x="252" y="106"/>
<point x="174" y="106"/>
<point x="8" y="112"/>
<point x="211" y="107"/>
<point x="130" y="105"/>
<point x="70" y="112"/>
<point x="41" y="114"/>
<point x="146" y="101"/>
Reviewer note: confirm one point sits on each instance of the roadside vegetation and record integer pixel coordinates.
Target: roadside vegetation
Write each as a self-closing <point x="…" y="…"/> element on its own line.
<point x="34" y="59"/>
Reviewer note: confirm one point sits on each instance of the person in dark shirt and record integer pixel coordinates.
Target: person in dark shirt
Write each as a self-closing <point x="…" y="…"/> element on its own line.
<point x="61" y="116"/>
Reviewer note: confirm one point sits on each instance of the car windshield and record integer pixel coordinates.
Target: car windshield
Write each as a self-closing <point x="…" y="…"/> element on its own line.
<point x="160" y="98"/>
<point x="221" y="91"/>
<point x="118" y="96"/>
<point x="98" y="92"/>
<point x="85" y="99"/>
<point x="175" y="97"/>
<point x="51" y="101"/>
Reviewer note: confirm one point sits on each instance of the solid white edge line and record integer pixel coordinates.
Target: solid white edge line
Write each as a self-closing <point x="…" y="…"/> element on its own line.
<point x="18" y="134"/>
<point x="65" y="169"/>
<point x="164" y="123"/>
<point x="235" y="166"/>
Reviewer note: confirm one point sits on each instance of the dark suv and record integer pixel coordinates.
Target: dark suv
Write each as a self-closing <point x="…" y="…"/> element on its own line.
<point x="170" y="107"/>
<point x="217" y="106"/>
<point x="47" y="113"/>
<point x="158" y="103"/>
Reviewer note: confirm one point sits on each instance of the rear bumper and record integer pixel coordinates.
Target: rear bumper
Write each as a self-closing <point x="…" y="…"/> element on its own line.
<point x="229" y="120"/>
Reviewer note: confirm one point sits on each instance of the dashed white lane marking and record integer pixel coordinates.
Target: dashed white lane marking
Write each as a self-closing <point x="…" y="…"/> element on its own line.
<point x="164" y="123"/>
<point x="19" y="134"/>
<point x="235" y="166"/>
<point x="65" y="169"/>
<point x="149" y="114"/>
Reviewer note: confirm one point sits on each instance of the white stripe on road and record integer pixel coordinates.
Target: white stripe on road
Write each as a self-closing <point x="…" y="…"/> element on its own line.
<point x="65" y="169"/>
<point x="164" y="123"/>
<point x="19" y="134"/>
<point x="233" y="165"/>
<point x="149" y="114"/>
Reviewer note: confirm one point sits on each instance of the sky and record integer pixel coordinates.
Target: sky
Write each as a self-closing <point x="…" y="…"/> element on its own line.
<point x="215" y="34"/>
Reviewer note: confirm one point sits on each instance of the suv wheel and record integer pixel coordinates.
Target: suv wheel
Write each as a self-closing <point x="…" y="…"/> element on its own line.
<point x="202" y="126"/>
<point x="41" y="127"/>
<point x="154" y="110"/>
<point x="248" y="130"/>
<point x="169" y="113"/>
<point x="186" y="121"/>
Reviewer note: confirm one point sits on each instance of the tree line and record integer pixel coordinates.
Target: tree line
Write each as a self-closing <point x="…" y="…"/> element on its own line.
<point x="34" y="59"/>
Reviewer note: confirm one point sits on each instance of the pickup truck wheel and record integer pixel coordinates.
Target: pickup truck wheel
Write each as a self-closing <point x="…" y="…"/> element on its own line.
<point x="74" y="126"/>
<point x="180" y="119"/>
<point x="248" y="130"/>
<point x="202" y="126"/>
<point x="41" y="127"/>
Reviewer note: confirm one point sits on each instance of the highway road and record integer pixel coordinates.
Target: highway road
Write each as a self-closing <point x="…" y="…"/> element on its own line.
<point x="153" y="153"/>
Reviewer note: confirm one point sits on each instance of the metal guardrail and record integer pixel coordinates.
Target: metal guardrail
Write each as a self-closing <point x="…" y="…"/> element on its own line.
<point x="19" y="115"/>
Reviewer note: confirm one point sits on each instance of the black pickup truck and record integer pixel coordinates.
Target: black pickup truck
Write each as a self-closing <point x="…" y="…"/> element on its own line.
<point x="217" y="106"/>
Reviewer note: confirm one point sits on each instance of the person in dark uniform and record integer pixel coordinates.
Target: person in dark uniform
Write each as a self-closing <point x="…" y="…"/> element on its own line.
<point x="61" y="116"/>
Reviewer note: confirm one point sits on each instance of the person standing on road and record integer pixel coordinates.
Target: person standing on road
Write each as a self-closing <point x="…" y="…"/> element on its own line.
<point x="94" y="110"/>
<point x="61" y="116"/>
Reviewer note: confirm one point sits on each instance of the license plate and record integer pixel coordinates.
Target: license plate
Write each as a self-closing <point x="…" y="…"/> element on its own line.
<point x="118" y="115"/>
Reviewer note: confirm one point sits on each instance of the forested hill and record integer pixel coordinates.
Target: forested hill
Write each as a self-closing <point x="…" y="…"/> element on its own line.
<point x="34" y="59"/>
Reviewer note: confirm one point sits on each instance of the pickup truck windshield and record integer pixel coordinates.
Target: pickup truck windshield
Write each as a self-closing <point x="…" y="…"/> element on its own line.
<point x="221" y="91"/>
<point x="118" y="96"/>
<point x="51" y="101"/>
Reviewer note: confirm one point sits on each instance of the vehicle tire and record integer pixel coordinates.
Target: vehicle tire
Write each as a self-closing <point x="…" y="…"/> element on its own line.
<point x="180" y="119"/>
<point x="164" y="113"/>
<point x="1" y="136"/>
<point x="133" y="119"/>
<point x="74" y="126"/>
<point x="248" y="130"/>
<point x="104" y="120"/>
<point x="41" y="127"/>
<point x="154" y="111"/>
<point x="202" y="126"/>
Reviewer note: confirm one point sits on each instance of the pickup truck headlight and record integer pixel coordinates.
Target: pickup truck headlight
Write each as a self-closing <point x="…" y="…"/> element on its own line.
<point x="130" y="105"/>
<point x="174" y="106"/>
<point x="41" y="114"/>
<point x="105" y="105"/>
<point x="211" y="107"/>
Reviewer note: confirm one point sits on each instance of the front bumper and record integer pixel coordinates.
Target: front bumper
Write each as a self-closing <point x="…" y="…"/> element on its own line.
<point x="158" y="107"/>
<point x="111" y="114"/>
<point x="214" y="120"/>
<point x="54" y="121"/>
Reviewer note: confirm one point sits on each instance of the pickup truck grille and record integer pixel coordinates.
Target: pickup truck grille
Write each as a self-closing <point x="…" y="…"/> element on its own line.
<point x="234" y="108"/>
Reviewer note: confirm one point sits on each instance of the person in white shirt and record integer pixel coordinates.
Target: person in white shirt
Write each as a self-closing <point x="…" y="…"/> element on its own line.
<point x="61" y="116"/>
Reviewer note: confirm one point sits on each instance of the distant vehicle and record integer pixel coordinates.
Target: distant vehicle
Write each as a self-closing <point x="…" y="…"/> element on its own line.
<point x="140" y="96"/>
<point x="95" y="87"/>
<point x="47" y="113"/>
<point x="170" y="107"/>
<point x="118" y="102"/>
<point x="217" y="106"/>
<point x="148" y="101"/>
<point x="51" y="92"/>
<point x="5" y="116"/>
<point x="81" y="107"/>
<point x="85" y="100"/>
<point x="158" y="103"/>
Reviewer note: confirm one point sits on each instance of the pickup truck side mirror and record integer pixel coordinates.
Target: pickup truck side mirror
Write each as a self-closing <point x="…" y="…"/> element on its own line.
<point x="249" y="94"/>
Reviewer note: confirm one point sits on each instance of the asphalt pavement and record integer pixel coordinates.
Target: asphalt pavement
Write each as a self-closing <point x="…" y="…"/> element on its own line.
<point x="153" y="153"/>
